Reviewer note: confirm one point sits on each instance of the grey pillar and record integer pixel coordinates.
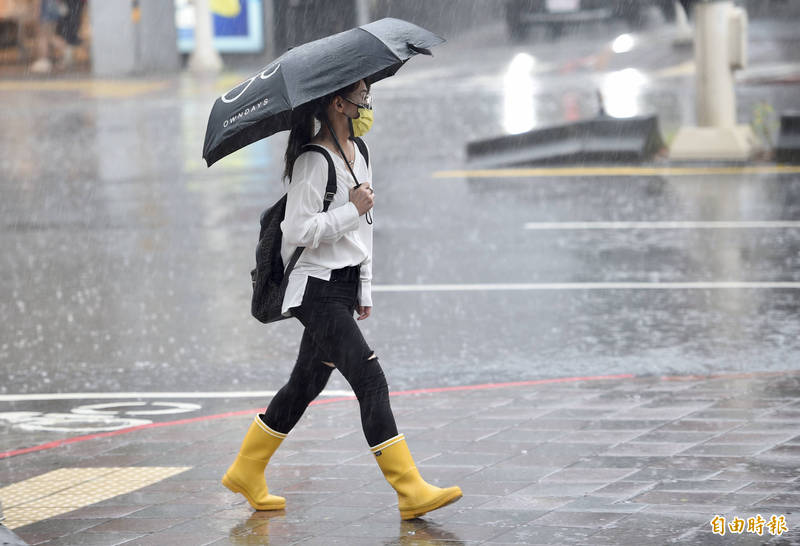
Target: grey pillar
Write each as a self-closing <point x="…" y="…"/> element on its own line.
<point x="123" y="44"/>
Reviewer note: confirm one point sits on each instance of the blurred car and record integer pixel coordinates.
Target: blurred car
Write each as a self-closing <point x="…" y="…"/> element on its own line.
<point x="521" y="15"/>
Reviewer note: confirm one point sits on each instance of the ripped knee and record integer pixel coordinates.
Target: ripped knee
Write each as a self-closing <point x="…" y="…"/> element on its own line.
<point x="329" y="364"/>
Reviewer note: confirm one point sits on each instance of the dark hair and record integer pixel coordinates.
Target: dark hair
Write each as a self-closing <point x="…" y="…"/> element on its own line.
<point x="303" y="125"/>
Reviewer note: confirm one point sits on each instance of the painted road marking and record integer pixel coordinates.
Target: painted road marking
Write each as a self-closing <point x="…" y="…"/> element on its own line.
<point x="616" y="171"/>
<point x="661" y="225"/>
<point x="583" y="286"/>
<point x="105" y="409"/>
<point x="92" y="417"/>
<point x="68" y="422"/>
<point x="164" y="395"/>
<point x="67" y="489"/>
<point x="89" y="88"/>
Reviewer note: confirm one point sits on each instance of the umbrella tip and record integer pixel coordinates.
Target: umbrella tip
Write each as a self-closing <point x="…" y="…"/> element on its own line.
<point x="417" y="49"/>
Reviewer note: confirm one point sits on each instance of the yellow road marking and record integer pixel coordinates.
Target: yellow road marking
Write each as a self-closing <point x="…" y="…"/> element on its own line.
<point x="686" y="68"/>
<point x="89" y="88"/>
<point x="616" y="171"/>
<point x="67" y="489"/>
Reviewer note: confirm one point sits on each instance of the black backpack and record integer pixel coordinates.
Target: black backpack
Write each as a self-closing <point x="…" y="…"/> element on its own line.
<point x="270" y="277"/>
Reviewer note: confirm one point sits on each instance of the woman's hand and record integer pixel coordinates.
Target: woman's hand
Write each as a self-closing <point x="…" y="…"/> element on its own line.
<point x="362" y="198"/>
<point x="363" y="312"/>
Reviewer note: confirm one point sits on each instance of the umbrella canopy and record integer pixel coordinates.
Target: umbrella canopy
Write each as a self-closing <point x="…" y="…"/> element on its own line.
<point x="264" y="104"/>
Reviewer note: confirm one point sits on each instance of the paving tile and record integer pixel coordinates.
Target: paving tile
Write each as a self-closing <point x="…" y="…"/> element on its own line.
<point x="559" y="489"/>
<point x="553" y="424"/>
<point x="174" y="511"/>
<point x="610" y="437"/>
<point x="325" y="541"/>
<point x="674" y="436"/>
<point x="278" y="527"/>
<point x="784" y="451"/>
<point x="94" y="539"/>
<point x="179" y="539"/>
<point x="659" y="474"/>
<point x="591" y="520"/>
<point x="54" y="528"/>
<point x="764" y="474"/>
<point x="713" y="450"/>
<point x="712" y="485"/>
<point x="597" y="503"/>
<point x="732" y="414"/>
<point x="700" y="462"/>
<point x="494" y="518"/>
<point x="577" y="413"/>
<point x="700" y="425"/>
<point x="556" y="453"/>
<point x="788" y="500"/>
<point x="530" y="502"/>
<point x="783" y="414"/>
<point x="509" y="472"/>
<point x="770" y="426"/>
<point x="612" y="423"/>
<point x="620" y="461"/>
<point x="765" y="439"/>
<point x="646" y="448"/>
<point x="532" y="533"/>
<point x="667" y="412"/>
<point x="741" y="499"/>
<point x="142" y="498"/>
<point x="468" y="459"/>
<point x="102" y="512"/>
<point x="676" y="497"/>
<point x="624" y="489"/>
<point x="216" y="527"/>
<point x="748" y="403"/>
<point x="137" y="525"/>
<point x="579" y="474"/>
<point x="490" y="487"/>
<point x="766" y="487"/>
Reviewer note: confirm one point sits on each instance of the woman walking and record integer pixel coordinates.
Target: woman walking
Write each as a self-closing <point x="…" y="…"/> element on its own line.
<point x="330" y="281"/>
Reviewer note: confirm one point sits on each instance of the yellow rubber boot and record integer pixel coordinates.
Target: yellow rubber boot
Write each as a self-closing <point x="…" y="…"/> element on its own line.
<point x="246" y="474"/>
<point x="415" y="496"/>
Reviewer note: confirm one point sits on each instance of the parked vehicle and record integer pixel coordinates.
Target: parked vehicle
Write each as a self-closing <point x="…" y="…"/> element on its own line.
<point x="521" y="15"/>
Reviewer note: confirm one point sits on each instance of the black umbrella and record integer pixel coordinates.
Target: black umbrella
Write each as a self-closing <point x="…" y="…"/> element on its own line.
<point x="264" y="104"/>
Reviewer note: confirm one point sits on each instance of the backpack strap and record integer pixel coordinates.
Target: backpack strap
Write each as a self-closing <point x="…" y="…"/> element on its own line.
<point x="362" y="147"/>
<point x="330" y="189"/>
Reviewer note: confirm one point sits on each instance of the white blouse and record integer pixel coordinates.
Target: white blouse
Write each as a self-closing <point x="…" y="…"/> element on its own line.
<point x="334" y="239"/>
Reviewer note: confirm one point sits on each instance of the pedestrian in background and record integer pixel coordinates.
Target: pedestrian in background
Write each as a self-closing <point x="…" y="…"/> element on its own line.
<point x="69" y="26"/>
<point x="331" y="280"/>
<point x="50" y="12"/>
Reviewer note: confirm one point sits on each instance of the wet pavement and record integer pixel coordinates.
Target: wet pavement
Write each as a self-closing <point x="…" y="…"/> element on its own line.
<point x="127" y="262"/>
<point x="573" y="461"/>
<point x="125" y="267"/>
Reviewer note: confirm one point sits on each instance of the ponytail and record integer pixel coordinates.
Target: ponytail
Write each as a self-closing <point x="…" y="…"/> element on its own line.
<point x="301" y="134"/>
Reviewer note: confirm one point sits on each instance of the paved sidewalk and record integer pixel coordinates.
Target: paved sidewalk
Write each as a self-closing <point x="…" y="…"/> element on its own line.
<point x="622" y="461"/>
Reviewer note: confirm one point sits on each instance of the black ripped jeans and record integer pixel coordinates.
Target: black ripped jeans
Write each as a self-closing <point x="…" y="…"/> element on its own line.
<point x="332" y="335"/>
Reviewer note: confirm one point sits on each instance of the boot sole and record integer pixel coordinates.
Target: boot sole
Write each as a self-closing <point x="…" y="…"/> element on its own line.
<point x="440" y="502"/>
<point x="230" y="484"/>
